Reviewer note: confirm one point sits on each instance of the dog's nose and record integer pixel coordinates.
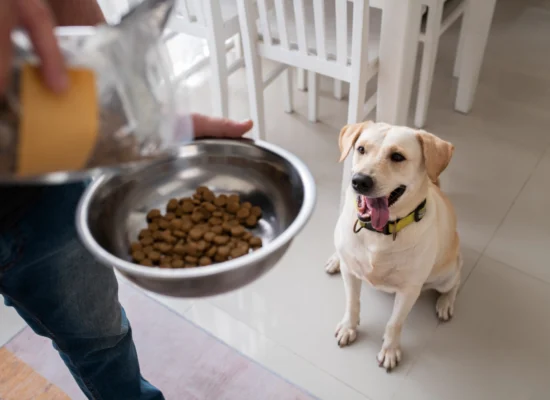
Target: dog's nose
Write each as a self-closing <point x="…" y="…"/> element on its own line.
<point x="362" y="183"/>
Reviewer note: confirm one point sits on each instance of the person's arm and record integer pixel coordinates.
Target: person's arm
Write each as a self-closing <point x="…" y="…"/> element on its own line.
<point x="76" y="12"/>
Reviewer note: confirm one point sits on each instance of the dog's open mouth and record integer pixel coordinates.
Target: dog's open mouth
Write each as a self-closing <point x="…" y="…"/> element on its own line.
<point x="377" y="209"/>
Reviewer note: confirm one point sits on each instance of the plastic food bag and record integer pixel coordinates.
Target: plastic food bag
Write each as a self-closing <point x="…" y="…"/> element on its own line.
<point x="143" y="114"/>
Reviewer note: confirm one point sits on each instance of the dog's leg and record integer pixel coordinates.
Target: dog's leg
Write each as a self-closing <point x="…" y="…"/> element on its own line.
<point x="390" y="355"/>
<point x="333" y="264"/>
<point x="346" y="331"/>
<point x="445" y="305"/>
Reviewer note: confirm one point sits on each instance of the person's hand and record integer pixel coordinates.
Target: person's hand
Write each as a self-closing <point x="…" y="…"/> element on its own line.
<point x="36" y="18"/>
<point x="219" y="127"/>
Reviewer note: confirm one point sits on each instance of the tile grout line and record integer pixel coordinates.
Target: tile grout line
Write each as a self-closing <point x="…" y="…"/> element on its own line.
<point x="278" y="344"/>
<point x="482" y="253"/>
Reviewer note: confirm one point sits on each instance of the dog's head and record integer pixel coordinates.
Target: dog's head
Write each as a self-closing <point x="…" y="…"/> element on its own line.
<point x="390" y="165"/>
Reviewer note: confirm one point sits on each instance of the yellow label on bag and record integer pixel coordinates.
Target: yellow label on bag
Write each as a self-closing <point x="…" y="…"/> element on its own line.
<point x="57" y="132"/>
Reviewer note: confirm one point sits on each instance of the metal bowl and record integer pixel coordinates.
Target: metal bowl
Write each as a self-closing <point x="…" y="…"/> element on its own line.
<point x="112" y="210"/>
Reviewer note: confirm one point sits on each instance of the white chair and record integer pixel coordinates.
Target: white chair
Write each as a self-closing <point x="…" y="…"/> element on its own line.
<point x="440" y="15"/>
<point x="217" y="22"/>
<point x="312" y="35"/>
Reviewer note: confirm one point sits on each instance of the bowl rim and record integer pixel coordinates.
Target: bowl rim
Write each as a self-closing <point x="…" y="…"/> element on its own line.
<point x="279" y="242"/>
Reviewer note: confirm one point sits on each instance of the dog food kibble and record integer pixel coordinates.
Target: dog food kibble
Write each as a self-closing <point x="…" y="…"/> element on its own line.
<point x="197" y="231"/>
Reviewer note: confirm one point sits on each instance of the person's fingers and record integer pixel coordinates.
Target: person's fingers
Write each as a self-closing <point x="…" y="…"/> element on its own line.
<point x="205" y="126"/>
<point x="38" y="20"/>
<point x="8" y="19"/>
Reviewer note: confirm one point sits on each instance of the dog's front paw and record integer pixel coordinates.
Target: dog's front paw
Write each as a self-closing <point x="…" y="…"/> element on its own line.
<point x="389" y="357"/>
<point x="445" y="307"/>
<point x="346" y="333"/>
<point x="333" y="265"/>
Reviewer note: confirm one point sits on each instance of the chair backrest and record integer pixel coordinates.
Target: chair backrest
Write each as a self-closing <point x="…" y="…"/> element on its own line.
<point x="298" y="32"/>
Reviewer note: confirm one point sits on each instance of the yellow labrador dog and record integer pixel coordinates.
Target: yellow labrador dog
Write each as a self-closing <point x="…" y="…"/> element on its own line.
<point x="397" y="230"/>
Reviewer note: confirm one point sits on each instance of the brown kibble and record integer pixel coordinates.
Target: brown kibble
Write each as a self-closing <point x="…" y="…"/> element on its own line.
<point x="218" y="230"/>
<point x="232" y="207"/>
<point x="201" y="189"/>
<point x="187" y="206"/>
<point x="209" y="236"/>
<point x="251" y="221"/>
<point x="186" y="226"/>
<point x="154" y="256"/>
<point x="255" y="241"/>
<point x="208" y="196"/>
<point x="146" y="241"/>
<point x="243" y="245"/>
<point x="197" y="196"/>
<point x="221" y="239"/>
<point x="176" y="224"/>
<point x="147" y="249"/>
<point x="151" y="215"/>
<point x="247" y="204"/>
<point x="138" y="256"/>
<point x="205" y="261"/>
<point x="163" y="224"/>
<point x="256" y="211"/>
<point x="243" y="213"/>
<point x="144" y="233"/>
<point x="226" y="227"/>
<point x="234" y="198"/>
<point x="201" y="245"/>
<point x="219" y="258"/>
<point x="146" y="262"/>
<point x="237" y="231"/>
<point x="217" y="214"/>
<point x="196" y="201"/>
<point x="196" y="233"/>
<point x="233" y="222"/>
<point x="208" y="206"/>
<point x="164" y="264"/>
<point x="179" y="234"/>
<point x="192" y="249"/>
<point x="247" y="235"/>
<point x="136" y="246"/>
<point x="237" y="252"/>
<point x="153" y="227"/>
<point x="191" y="260"/>
<point x="179" y="212"/>
<point x="172" y="205"/>
<point x="211" y="252"/>
<point x="164" y="247"/>
<point x="197" y="217"/>
<point x="179" y="249"/>
<point x="178" y="264"/>
<point x="215" y="221"/>
<point x="220" y="201"/>
<point x="169" y="216"/>
<point x="223" y="251"/>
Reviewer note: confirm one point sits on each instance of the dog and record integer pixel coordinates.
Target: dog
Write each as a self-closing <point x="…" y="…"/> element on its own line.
<point x="397" y="230"/>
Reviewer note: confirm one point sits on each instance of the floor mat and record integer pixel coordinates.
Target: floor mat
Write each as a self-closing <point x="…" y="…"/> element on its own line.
<point x="19" y="381"/>
<point x="183" y="360"/>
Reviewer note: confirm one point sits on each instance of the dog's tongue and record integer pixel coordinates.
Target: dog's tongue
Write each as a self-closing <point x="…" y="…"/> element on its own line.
<point x="379" y="212"/>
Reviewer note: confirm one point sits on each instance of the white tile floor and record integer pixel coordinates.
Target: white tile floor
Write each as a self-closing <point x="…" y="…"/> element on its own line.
<point x="497" y="346"/>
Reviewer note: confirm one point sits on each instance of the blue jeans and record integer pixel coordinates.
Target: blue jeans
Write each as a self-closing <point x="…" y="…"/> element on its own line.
<point x="65" y="295"/>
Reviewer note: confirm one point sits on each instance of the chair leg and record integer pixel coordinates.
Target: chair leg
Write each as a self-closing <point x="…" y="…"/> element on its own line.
<point x="289" y="103"/>
<point x="313" y="96"/>
<point x="459" y="50"/>
<point x="429" y="55"/>
<point x="338" y="89"/>
<point x="218" y="61"/>
<point x="301" y="79"/>
<point x="253" y="68"/>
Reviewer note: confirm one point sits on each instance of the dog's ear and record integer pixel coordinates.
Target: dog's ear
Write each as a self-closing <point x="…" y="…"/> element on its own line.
<point x="348" y="137"/>
<point x="437" y="154"/>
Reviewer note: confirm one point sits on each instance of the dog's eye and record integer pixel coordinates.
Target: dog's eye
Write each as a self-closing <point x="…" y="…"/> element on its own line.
<point x="361" y="150"/>
<point x="397" y="157"/>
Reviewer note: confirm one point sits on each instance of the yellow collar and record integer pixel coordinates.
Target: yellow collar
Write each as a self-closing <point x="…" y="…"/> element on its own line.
<point x="393" y="227"/>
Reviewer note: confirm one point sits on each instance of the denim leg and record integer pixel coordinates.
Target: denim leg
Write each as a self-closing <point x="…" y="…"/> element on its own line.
<point x="63" y="294"/>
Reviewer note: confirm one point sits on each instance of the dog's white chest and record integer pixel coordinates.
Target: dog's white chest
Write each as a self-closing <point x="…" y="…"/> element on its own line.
<point x="386" y="264"/>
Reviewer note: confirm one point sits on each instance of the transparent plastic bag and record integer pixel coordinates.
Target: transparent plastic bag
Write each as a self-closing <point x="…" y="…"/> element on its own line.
<point x="143" y="113"/>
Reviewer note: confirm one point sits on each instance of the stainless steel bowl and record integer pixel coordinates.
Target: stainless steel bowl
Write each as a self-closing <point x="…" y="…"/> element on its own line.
<point x="113" y="209"/>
